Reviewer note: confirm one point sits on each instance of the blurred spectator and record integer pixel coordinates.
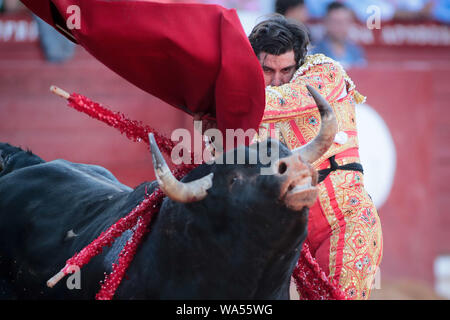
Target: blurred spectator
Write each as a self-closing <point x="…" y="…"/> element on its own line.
<point x="336" y="43"/>
<point x="10" y="5"/>
<point x="55" y="46"/>
<point x="403" y="9"/>
<point x="362" y="8"/>
<point x="441" y="11"/>
<point x="292" y="9"/>
<point x="389" y="9"/>
<point x="412" y="9"/>
<point x="318" y="8"/>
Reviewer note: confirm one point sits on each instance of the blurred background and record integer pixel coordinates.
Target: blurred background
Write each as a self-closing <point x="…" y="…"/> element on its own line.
<point x="397" y="52"/>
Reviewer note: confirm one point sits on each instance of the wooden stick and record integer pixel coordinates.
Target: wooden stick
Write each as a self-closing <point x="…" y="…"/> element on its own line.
<point x="60" y="92"/>
<point x="56" y="278"/>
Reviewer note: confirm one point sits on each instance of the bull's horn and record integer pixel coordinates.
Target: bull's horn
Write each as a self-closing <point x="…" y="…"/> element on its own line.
<point x="174" y="189"/>
<point x="317" y="147"/>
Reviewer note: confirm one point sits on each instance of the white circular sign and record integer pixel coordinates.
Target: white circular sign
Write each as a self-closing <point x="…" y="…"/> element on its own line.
<point x="377" y="153"/>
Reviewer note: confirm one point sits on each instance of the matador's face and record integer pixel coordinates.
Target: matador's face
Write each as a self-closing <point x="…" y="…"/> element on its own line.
<point x="278" y="69"/>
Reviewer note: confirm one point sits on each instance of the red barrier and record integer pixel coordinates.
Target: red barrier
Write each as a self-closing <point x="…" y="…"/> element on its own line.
<point x="408" y="100"/>
<point x="408" y="88"/>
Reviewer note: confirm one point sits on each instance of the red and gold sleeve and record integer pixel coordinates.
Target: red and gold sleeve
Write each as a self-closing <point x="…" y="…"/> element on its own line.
<point x="292" y="99"/>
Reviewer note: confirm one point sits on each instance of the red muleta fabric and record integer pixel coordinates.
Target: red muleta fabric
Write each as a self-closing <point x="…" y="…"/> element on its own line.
<point x="195" y="57"/>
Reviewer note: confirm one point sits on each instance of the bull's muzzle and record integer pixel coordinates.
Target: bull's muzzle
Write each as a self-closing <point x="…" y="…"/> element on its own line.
<point x="298" y="178"/>
<point x="298" y="181"/>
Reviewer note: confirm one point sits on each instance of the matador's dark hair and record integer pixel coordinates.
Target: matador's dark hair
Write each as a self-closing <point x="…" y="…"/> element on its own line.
<point x="278" y="35"/>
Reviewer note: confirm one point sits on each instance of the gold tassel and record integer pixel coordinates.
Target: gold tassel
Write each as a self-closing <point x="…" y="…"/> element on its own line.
<point x="359" y="98"/>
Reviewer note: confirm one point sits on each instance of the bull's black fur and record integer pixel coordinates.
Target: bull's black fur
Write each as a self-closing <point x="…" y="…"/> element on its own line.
<point x="239" y="242"/>
<point x="13" y="158"/>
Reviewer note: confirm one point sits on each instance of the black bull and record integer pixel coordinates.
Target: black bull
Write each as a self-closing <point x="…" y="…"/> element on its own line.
<point x="239" y="241"/>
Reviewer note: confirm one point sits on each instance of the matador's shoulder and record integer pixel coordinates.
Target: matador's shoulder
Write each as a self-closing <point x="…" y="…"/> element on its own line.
<point x="318" y="70"/>
<point x="320" y="63"/>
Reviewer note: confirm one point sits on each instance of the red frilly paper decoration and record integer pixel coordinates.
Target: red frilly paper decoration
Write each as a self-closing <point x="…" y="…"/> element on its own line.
<point x="138" y="219"/>
<point x="311" y="281"/>
<point x="195" y="57"/>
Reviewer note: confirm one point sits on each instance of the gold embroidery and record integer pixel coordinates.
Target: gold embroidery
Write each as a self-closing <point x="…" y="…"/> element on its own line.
<point x="362" y="246"/>
<point x="292" y="102"/>
<point x="357" y="249"/>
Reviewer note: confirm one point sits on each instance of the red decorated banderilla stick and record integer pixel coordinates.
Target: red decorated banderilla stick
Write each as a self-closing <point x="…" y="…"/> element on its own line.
<point x="135" y="131"/>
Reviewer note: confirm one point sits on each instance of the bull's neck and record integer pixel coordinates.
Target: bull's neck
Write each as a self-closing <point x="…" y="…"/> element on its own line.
<point x="177" y="261"/>
<point x="139" y="193"/>
<point x="181" y="261"/>
<point x="278" y="269"/>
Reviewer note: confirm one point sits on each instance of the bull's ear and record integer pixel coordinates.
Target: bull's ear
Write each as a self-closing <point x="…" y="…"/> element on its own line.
<point x="177" y="191"/>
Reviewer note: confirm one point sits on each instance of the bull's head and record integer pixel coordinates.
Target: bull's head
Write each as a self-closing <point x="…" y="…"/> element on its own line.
<point x="293" y="170"/>
<point x="237" y="228"/>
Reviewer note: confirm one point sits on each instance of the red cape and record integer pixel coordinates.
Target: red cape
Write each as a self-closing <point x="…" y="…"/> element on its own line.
<point x="194" y="57"/>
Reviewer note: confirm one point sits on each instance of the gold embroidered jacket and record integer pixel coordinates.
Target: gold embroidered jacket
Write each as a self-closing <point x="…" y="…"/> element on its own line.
<point x="292" y="116"/>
